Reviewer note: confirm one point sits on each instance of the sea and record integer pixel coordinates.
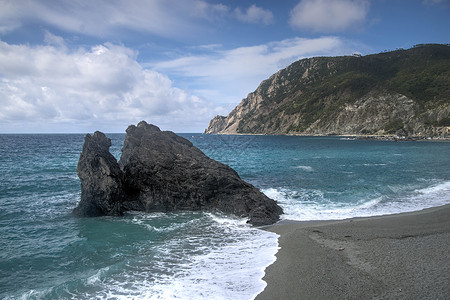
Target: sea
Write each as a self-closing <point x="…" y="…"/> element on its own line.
<point x="47" y="253"/>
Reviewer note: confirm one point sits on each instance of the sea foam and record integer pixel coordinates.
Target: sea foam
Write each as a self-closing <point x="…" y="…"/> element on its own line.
<point x="307" y="205"/>
<point x="226" y="261"/>
<point x="231" y="270"/>
<point x="305" y="168"/>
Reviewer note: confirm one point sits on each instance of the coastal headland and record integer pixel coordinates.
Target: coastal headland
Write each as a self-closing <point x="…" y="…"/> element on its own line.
<point x="403" y="256"/>
<point x="401" y="93"/>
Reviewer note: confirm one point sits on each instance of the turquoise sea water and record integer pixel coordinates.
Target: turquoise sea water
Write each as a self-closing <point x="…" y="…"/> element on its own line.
<point x="46" y="253"/>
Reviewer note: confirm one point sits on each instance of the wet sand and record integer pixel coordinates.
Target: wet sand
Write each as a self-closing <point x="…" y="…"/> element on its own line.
<point x="404" y="256"/>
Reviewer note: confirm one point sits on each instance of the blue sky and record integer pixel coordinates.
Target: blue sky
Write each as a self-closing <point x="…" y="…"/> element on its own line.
<point x="81" y="66"/>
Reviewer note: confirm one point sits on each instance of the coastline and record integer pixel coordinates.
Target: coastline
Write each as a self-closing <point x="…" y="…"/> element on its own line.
<point x="402" y="256"/>
<point x="393" y="138"/>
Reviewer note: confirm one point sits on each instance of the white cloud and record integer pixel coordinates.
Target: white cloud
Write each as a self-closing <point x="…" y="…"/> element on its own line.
<point x="208" y="11"/>
<point x="254" y="14"/>
<point x="9" y="16"/>
<point x="328" y="15"/>
<point x="48" y="88"/>
<point x="54" y="40"/>
<point x="236" y="72"/>
<point x="104" y="18"/>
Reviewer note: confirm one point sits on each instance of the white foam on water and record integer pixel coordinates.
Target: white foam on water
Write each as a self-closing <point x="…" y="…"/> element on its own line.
<point x="97" y="277"/>
<point x="225" y="261"/>
<point x="307" y="205"/>
<point x="235" y="223"/>
<point x="233" y="271"/>
<point x="305" y="168"/>
<point x="434" y="195"/>
<point x="142" y="219"/>
<point x="439" y="189"/>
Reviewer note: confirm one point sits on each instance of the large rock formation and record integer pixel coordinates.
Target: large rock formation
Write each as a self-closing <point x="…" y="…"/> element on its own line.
<point x="161" y="171"/>
<point x="403" y="92"/>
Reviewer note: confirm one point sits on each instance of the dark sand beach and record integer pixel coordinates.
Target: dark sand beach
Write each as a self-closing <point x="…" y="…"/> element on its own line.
<point x="404" y="256"/>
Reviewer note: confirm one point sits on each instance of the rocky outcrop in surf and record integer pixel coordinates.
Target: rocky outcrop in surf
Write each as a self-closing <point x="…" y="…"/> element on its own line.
<point x="161" y="171"/>
<point x="102" y="192"/>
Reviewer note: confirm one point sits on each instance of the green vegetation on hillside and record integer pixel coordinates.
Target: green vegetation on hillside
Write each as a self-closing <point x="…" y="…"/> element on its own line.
<point x="319" y="87"/>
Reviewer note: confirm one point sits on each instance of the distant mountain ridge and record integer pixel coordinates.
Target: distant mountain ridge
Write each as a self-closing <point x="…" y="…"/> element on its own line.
<point x="402" y="92"/>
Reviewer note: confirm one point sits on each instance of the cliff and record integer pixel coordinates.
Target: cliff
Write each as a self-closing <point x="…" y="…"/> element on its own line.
<point x="161" y="171"/>
<point x="402" y="92"/>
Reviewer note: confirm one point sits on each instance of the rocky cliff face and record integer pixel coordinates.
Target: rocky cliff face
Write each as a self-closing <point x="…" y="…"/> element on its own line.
<point x="404" y="92"/>
<point x="161" y="171"/>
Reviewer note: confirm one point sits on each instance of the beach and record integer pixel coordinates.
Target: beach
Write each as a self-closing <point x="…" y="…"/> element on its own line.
<point x="402" y="256"/>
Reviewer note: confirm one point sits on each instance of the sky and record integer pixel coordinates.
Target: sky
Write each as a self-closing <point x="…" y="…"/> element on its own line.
<point x="77" y="66"/>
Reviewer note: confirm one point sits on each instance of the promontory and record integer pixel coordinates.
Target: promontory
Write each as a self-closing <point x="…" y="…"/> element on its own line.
<point x="403" y="93"/>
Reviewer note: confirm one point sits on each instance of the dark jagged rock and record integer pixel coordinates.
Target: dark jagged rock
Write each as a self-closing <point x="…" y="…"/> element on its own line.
<point x="161" y="171"/>
<point x="101" y="179"/>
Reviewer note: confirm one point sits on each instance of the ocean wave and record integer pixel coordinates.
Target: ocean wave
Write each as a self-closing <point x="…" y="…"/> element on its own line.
<point x="210" y="256"/>
<point x="441" y="188"/>
<point x="232" y="271"/>
<point x="161" y="222"/>
<point x="97" y="277"/>
<point x="305" y="168"/>
<point x="235" y="222"/>
<point x="307" y="205"/>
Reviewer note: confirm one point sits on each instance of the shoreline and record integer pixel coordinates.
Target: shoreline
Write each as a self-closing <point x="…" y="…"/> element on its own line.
<point x="403" y="256"/>
<point x="393" y="138"/>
